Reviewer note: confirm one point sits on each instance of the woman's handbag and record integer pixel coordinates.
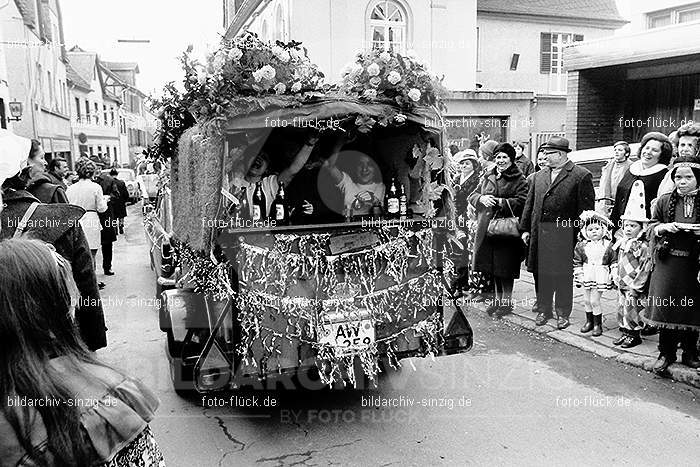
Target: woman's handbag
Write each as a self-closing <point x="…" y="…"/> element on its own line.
<point x="504" y="227"/>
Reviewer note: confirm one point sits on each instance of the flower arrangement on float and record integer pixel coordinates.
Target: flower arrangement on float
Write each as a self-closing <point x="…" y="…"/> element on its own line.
<point x="387" y="75"/>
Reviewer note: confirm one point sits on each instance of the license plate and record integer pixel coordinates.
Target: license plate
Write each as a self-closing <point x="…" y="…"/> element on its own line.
<point x="348" y="335"/>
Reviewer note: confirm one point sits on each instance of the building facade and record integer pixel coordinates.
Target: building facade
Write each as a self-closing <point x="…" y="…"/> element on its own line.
<point x="136" y="123"/>
<point x="625" y="86"/>
<point x="31" y="32"/>
<point x="95" y="111"/>
<point x="520" y="53"/>
<point x="502" y="60"/>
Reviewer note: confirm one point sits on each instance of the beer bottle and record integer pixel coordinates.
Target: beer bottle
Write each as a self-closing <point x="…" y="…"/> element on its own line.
<point x="279" y="210"/>
<point x="259" y="203"/>
<point x="391" y="200"/>
<point x="403" y="203"/>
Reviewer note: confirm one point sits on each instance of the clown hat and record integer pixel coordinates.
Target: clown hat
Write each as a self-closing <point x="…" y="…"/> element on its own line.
<point x="636" y="204"/>
<point x="593" y="217"/>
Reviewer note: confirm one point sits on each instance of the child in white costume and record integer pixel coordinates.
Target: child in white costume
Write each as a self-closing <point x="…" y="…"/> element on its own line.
<point x="594" y="259"/>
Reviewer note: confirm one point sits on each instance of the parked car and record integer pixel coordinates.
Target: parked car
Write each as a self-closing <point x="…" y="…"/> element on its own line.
<point x="594" y="159"/>
<point x="132" y="185"/>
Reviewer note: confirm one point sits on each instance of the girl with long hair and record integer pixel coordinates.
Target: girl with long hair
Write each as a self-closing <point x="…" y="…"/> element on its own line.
<point x="61" y="406"/>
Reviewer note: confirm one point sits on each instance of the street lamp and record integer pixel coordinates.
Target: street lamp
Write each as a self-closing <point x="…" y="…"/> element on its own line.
<point x="16" y="111"/>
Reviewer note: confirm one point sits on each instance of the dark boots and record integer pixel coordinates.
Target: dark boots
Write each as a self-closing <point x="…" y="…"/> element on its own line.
<point x="597" y="325"/>
<point x="631" y="340"/>
<point x="588" y="327"/>
<point x="623" y="336"/>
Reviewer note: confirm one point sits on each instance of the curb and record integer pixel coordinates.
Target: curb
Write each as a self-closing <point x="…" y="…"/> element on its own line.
<point x="677" y="372"/>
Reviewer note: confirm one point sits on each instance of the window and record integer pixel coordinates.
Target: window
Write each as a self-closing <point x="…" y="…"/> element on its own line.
<point x="97" y="114"/>
<point x="478" y="50"/>
<point x="107" y="149"/>
<point x="49" y="84"/>
<point x="99" y="151"/>
<point x="104" y="114"/>
<point x="87" y="112"/>
<point x="678" y="15"/>
<point x="691" y="14"/>
<point x="263" y="31"/>
<point x="279" y="24"/>
<point x="111" y="114"/>
<point x="388" y="26"/>
<point x="92" y="152"/>
<point x="77" y="109"/>
<point x="552" y="58"/>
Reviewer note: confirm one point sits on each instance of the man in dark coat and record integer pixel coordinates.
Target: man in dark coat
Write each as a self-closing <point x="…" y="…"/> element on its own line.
<point x="120" y="204"/>
<point x="108" y="219"/>
<point x="57" y="170"/>
<point x="42" y="188"/>
<point x="58" y="225"/>
<point x="557" y="196"/>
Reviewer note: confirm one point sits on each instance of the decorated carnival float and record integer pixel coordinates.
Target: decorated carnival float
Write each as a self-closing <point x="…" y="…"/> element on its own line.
<point x="259" y="289"/>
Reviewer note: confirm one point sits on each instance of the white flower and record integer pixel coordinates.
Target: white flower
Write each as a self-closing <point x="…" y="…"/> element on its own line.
<point x="412" y="54"/>
<point x="280" y="53"/>
<point x="235" y="54"/>
<point x="352" y="70"/>
<point x="296" y="54"/>
<point x="414" y="94"/>
<point x="394" y="77"/>
<point x="400" y="118"/>
<point x="280" y="88"/>
<point x="385" y="56"/>
<point x="371" y="93"/>
<point x="376" y="81"/>
<point x="296" y="87"/>
<point x="373" y="69"/>
<point x="202" y="78"/>
<point x="219" y="60"/>
<point x="267" y="72"/>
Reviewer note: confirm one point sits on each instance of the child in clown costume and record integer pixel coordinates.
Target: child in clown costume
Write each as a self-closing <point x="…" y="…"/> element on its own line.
<point x="633" y="268"/>
<point x="594" y="259"/>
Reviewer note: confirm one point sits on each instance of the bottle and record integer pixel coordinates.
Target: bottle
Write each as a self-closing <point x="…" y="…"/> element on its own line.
<point x="403" y="203"/>
<point x="391" y="200"/>
<point x="376" y="210"/>
<point x="243" y="210"/>
<point x="279" y="211"/>
<point x="347" y="213"/>
<point x="259" y="204"/>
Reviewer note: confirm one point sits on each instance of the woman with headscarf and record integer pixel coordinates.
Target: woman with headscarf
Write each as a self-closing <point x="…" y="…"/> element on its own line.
<point x="674" y="286"/>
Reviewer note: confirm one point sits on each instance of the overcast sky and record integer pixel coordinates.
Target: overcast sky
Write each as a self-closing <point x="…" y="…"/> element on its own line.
<point x="170" y="25"/>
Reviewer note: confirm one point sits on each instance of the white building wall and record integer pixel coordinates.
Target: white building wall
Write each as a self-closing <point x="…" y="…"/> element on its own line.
<point x="442" y="32"/>
<point x="46" y="113"/>
<point x="636" y="11"/>
<point x="500" y="38"/>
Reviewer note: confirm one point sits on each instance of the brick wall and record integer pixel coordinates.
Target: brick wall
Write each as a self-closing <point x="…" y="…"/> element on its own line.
<point x="594" y="105"/>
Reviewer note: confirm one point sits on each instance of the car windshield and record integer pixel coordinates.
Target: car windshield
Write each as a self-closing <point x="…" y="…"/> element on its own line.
<point x="124" y="174"/>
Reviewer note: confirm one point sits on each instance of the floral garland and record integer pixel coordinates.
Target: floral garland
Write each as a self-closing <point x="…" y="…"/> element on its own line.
<point x="406" y="81"/>
<point x="245" y="67"/>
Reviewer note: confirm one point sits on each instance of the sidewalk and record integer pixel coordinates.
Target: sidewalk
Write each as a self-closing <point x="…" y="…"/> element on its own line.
<point x="642" y="356"/>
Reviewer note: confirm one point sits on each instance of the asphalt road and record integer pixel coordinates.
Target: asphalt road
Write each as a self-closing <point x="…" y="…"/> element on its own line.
<point x="516" y="398"/>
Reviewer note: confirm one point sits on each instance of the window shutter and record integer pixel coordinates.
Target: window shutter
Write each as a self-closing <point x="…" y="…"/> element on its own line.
<point x="545" y="52"/>
<point x="578" y="37"/>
